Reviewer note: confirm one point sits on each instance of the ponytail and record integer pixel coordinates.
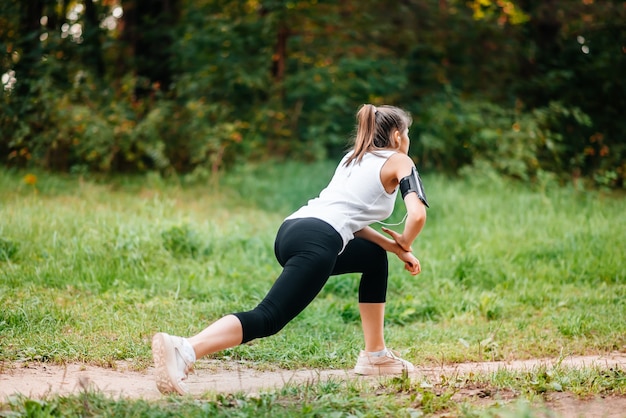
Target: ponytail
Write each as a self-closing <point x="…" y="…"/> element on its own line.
<point x="375" y="125"/>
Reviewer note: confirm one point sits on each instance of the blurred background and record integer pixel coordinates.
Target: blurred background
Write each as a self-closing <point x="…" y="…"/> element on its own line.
<point x="528" y="89"/>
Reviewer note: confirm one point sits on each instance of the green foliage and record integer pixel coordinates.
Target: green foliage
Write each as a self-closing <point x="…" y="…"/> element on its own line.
<point x="502" y="11"/>
<point x="455" y="134"/>
<point x="87" y="133"/>
<point x="211" y="84"/>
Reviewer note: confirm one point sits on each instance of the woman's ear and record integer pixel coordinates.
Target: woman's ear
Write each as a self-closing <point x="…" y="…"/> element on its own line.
<point x="397" y="138"/>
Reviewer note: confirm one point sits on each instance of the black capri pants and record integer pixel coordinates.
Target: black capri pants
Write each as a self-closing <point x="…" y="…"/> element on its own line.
<point x="308" y="250"/>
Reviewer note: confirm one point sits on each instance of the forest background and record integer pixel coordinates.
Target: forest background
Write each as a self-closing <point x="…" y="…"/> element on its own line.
<point x="531" y="89"/>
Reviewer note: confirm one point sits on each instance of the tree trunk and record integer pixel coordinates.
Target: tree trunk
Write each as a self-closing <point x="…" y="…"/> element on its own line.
<point x="29" y="45"/>
<point x="542" y="31"/>
<point x="280" y="55"/>
<point x="93" y="56"/>
<point x="147" y="33"/>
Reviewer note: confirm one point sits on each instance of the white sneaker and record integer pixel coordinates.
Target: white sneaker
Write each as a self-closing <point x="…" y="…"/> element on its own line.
<point x="173" y="362"/>
<point x="389" y="363"/>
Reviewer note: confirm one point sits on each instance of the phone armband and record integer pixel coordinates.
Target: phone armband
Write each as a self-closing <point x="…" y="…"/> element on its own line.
<point x="413" y="184"/>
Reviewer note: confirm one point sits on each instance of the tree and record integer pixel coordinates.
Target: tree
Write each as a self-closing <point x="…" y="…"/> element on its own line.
<point x="180" y="85"/>
<point x="147" y="36"/>
<point x="576" y="56"/>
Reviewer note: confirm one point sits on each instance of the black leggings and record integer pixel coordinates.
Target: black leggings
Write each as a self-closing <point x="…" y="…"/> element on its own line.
<point x="308" y="251"/>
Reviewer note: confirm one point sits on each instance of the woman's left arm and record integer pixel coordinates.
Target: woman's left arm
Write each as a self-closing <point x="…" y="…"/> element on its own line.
<point x="411" y="263"/>
<point x="395" y="169"/>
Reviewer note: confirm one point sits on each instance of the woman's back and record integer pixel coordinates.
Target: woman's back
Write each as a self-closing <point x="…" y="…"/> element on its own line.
<point x="355" y="196"/>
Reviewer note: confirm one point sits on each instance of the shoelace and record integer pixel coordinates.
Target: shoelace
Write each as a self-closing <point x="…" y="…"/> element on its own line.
<point x="188" y="366"/>
<point x="394" y="355"/>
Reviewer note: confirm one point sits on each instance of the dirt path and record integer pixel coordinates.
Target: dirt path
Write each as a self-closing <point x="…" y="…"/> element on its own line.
<point x="39" y="380"/>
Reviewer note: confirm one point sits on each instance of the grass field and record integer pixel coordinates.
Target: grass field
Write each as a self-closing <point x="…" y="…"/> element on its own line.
<point x="90" y="269"/>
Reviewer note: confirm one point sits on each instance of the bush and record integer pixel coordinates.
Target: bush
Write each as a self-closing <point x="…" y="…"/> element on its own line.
<point x="455" y="134"/>
<point x="88" y="128"/>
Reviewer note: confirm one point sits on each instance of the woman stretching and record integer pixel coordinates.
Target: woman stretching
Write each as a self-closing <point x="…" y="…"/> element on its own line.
<point x="330" y="235"/>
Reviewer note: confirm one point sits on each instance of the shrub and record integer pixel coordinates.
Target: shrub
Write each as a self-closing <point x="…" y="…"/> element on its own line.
<point x="455" y="134"/>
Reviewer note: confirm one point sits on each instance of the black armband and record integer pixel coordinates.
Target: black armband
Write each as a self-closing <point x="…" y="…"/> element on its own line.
<point x="413" y="183"/>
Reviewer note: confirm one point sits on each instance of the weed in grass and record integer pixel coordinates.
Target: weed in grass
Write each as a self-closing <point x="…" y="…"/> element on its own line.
<point x="597" y="381"/>
<point x="543" y="380"/>
<point x="8" y="249"/>
<point x="184" y="241"/>
<point x="575" y="326"/>
<point x="423" y="397"/>
<point x="431" y="402"/>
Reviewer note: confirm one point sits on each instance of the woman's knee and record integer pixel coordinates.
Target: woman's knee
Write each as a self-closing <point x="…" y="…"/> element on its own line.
<point x="261" y="322"/>
<point x="376" y="261"/>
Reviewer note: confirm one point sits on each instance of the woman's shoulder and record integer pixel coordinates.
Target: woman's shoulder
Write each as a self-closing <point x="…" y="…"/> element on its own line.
<point x="400" y="158"/>
<point x="398" y="165"/>
<point x="396" y="158"/>
<point x="381" y="153"/>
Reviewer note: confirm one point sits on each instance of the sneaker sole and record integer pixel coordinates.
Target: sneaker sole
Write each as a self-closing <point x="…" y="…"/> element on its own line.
<point x="380" y="371"/>
<point x="161" y="358"/>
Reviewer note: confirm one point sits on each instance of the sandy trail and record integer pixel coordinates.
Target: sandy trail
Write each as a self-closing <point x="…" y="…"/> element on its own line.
<point x="38" y="380"/>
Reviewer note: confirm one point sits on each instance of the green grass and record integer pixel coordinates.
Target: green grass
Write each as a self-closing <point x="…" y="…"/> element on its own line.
<point x="91" y="268"/>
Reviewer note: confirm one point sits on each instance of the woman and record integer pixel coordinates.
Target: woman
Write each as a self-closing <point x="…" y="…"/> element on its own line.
<point x="328" y="236"/>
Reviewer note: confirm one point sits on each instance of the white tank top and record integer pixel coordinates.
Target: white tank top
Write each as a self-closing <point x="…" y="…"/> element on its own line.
<point x="354" y="198"/>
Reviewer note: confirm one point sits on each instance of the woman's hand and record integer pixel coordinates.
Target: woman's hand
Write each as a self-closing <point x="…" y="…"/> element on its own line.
<point x="411" y="263"/>
<point x="399" y="239"/>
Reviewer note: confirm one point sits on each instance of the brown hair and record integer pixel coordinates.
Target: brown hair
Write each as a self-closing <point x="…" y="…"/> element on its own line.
<point x="375" y="125"/>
